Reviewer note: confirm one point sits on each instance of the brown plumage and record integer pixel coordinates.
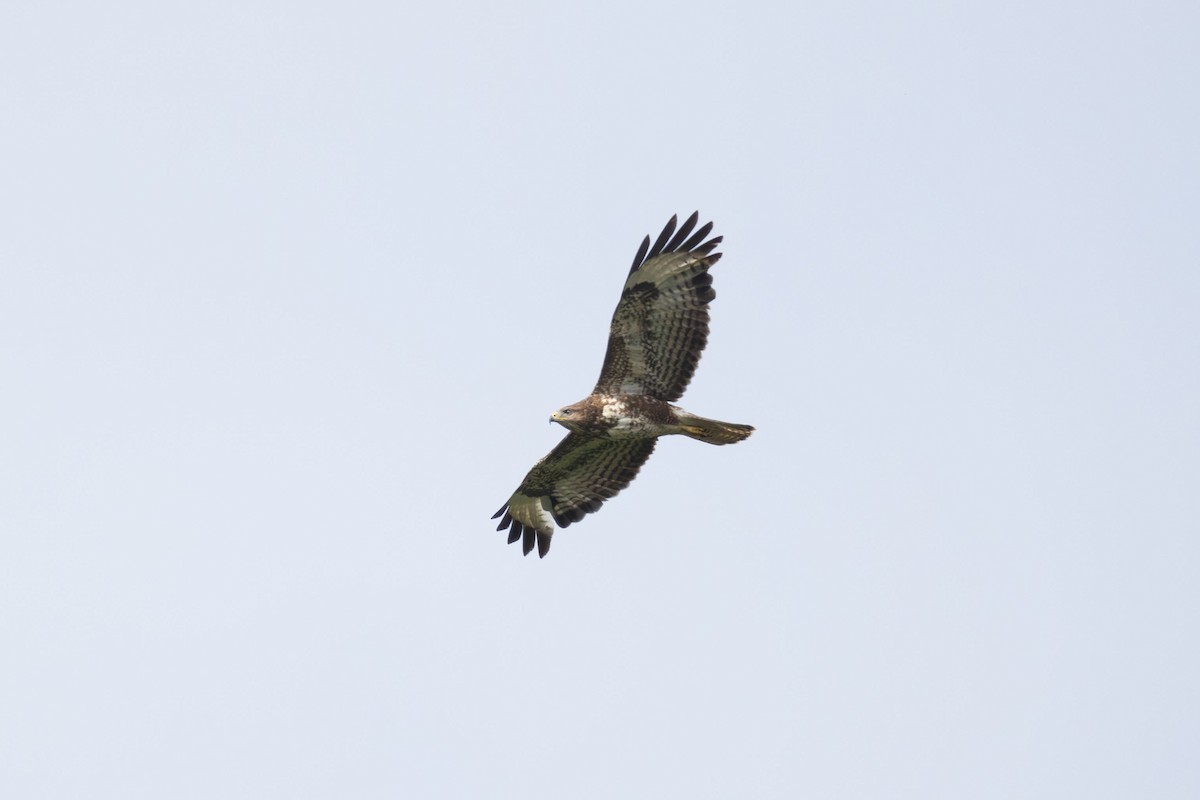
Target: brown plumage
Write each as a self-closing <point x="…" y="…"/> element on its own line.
<point x="658" y="331"/>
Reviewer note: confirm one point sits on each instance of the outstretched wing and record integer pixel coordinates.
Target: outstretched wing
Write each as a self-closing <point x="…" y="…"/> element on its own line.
<point x="660" y="325"/>
<point x="573" y="480"/>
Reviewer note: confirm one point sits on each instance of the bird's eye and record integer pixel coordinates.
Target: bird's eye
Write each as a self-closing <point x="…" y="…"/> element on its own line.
<point x="566" y="412"/>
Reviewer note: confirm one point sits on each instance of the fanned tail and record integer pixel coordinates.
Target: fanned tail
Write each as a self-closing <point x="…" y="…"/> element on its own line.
<point x="713" y="431"/>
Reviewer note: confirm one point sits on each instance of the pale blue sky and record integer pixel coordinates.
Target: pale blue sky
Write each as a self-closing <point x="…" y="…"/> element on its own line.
<point x="288" y="292"/>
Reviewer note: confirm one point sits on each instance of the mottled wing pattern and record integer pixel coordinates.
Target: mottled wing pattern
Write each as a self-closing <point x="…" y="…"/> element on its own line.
<point x="660" y="325"/>
<point x="573" y="480"/>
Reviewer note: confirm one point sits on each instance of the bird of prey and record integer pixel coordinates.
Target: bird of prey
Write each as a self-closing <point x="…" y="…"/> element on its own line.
<point x="658" y="331"/>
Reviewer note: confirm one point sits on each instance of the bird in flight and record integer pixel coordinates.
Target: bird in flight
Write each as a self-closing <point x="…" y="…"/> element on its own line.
<point x="659" y="329"/>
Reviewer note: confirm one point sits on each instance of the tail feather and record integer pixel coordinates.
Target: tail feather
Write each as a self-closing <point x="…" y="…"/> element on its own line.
<point x="713" y="431"/>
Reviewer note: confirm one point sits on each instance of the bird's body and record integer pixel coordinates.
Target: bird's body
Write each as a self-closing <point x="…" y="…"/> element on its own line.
<point x="637" y="416"/>
<point x="659" y="329"/>
<point x="617" y="416"/>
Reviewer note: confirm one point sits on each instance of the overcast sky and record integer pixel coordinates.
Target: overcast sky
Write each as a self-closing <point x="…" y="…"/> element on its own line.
<point x="288" y="292"/>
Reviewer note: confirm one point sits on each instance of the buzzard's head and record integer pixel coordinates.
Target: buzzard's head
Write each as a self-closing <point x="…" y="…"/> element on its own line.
<point x="573" y="417"/>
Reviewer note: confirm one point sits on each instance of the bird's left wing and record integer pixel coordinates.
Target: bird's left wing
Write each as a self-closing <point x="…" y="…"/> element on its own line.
<point x="660" y="325"/>
<point x="573" y="480"/>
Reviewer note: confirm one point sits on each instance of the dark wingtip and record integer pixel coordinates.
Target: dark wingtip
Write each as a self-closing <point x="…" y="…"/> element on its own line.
<point x="683" y="241"/>
<point x="661" y="241"/>
<point x="697" y="237"/>
<point x="641" y="255"/>
<point x="527" y="539"/>
<point x="543" y="543"/>
<point x="682" y="233"/>
<point x="503" y="508"/>
<point x="708" y="247"/>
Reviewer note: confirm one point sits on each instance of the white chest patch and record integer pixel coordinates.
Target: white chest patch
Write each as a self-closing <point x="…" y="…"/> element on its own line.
<point x="614" y="410"/>
<point x="623" y="424"/>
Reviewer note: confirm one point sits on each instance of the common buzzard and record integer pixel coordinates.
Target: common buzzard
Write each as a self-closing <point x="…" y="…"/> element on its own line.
<point x="657" y="334"/>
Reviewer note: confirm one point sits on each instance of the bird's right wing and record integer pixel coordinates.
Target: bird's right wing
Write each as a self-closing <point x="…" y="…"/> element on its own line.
<point x="573" y="480"/>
